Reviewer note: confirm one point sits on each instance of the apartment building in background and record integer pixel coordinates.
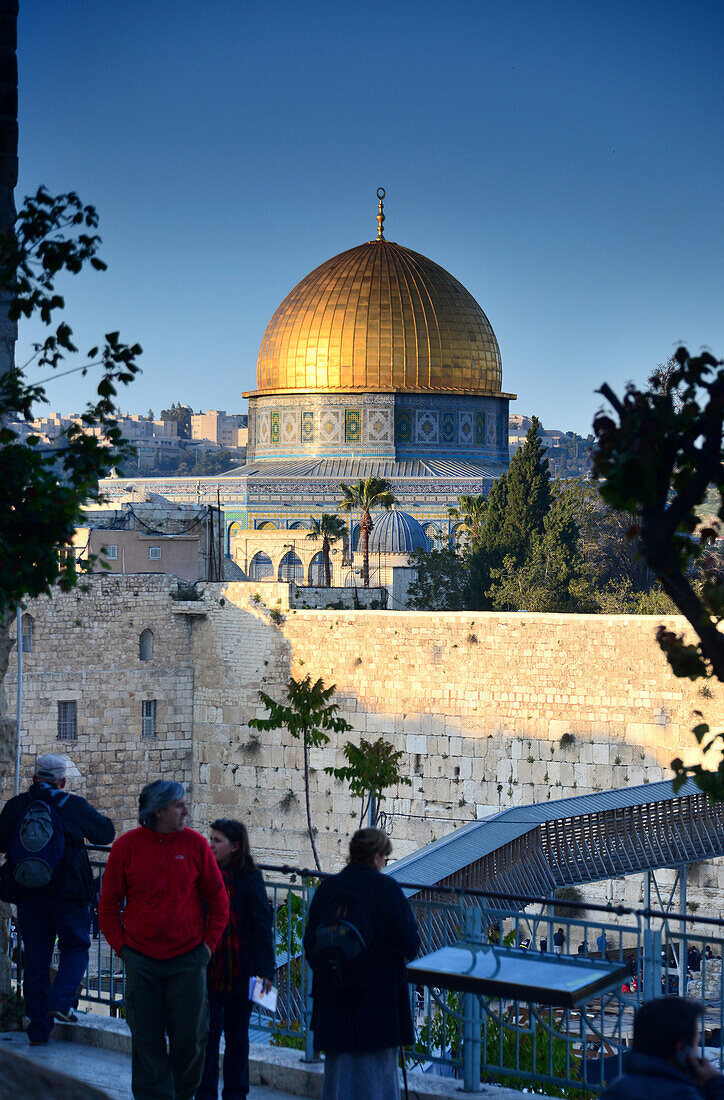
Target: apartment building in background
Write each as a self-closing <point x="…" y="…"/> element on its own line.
<point x="227" y="430"/>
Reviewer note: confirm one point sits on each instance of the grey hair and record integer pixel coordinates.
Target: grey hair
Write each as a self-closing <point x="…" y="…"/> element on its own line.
<point x="157" y="796"/>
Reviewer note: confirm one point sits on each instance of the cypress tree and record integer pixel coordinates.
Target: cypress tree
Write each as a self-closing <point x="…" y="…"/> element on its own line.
<point x="528" y="495"/>
<point x="518" y="503"/>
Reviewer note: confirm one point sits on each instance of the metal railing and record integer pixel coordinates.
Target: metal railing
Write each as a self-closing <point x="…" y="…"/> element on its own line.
<point x="476" y="1038"/>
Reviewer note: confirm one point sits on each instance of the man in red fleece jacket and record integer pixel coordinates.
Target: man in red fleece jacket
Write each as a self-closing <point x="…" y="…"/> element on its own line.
<point x="163" y="907"/>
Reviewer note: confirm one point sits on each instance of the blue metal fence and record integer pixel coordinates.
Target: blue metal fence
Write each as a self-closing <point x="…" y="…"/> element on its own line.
<point x="476" y="1038"/>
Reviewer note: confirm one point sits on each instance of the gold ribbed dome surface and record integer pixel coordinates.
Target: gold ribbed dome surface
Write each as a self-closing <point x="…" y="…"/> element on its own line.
<point x="379" y="317"/>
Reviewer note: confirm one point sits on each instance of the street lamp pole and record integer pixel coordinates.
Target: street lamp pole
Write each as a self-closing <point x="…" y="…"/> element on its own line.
<point x="19" y="706"/>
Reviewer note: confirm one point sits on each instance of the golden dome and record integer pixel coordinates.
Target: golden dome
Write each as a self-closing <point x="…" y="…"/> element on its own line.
<point x="379" y="318"/>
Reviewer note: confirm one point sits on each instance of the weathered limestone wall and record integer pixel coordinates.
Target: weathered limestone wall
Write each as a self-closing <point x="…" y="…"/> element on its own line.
<point x="491" y="710"/>
<point x="86" y="647"/>
<point x="480" y="703"/>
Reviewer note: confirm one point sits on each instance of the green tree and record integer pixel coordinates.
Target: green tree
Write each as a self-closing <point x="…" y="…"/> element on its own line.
<point x="329" y="528"/>
<point x="372" y="767"/>
<point x="551" y="577"/>
<point x="194" y="464"/>
<point x="504" y="531"/>
<point x="182" y="415"/>
<point x="527" y="496"/>
<point x="470" y="514"/>
<point x="619" y="579"/>
<point x="368" y="493"/>
<point x="517" y="506"/>
<point x="307" y="715"/>
<point x="42" y="490"/>
<point x="656" y="460"/>
<point x="441" y="580"/>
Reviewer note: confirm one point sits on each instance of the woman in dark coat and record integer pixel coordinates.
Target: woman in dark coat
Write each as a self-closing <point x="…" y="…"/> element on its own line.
<point x="245" y="950"/>
<point x="361" y="1024"/>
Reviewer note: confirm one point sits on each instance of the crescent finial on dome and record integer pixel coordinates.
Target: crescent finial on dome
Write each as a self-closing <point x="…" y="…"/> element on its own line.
<point x="380" y="214"/>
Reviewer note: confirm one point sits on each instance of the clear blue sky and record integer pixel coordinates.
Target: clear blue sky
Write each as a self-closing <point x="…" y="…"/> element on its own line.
<point x="562" y="159"/>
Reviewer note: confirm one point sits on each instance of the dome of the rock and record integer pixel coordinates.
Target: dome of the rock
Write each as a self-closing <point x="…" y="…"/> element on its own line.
<point x="382" y="318"/>
<point x="396" y="532"/>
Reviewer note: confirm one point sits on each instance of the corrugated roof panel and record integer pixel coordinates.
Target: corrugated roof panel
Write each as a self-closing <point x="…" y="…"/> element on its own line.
<point x="352" y="468"/>
<point x="472" y="842"/>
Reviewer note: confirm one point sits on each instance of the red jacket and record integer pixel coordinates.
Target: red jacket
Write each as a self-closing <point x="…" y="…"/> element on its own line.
<point x="173" y="892"/>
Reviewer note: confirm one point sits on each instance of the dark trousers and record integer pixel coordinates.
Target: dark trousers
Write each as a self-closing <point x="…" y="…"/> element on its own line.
<point x="230" y="1015"/>
<point x="41" y="920"/>
<point x="166" y="997"/>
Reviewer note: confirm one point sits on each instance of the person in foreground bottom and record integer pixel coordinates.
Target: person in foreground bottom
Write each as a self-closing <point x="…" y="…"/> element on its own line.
<point x="163" y="907"/>
<point x="665" y="1063"/>
<point x="361" y="1007"/>
<point x="61" y="908"/>
<point x="245" y="950"/>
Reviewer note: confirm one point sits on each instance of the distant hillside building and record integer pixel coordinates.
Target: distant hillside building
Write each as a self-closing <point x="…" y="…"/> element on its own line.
<point x="228" y="430"/>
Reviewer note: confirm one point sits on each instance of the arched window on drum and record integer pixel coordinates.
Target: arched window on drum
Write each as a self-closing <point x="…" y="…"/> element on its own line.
<point x="434" y="536"/>
<point x="457" y="533"/>
<point x="316" y="571"/>
<point x="261" y="568"/>
<point x="232" y="535"/>
<point x="291" y="568"/>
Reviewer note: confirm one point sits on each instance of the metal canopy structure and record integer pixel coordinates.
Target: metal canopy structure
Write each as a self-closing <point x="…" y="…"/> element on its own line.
<point x="483" y="968"/>
<point x="534" y="850"/>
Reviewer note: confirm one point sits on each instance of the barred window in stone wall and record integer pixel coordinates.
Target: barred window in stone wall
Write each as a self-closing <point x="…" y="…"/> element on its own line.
<point x="67" y="720"/>
<point x="148" y="717"/>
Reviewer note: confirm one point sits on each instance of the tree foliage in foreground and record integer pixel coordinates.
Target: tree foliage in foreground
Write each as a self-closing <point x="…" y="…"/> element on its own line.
<point x="42" y="490"/>
<point x="656" y="459"/>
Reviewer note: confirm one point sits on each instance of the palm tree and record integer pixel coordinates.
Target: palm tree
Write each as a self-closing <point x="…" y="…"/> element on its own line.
<point x="328" y="528"/>
<point x="470" y="513"/>
<point x="372" y="492"/>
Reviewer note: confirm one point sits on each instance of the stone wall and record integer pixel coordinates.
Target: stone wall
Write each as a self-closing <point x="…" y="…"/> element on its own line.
<point x="490" y="710"/>
<point x="86" y="648"/>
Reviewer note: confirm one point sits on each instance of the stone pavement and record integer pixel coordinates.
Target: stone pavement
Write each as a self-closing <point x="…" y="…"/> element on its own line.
<point x="96" y="1050"/>
<point x="106" y="1069"/>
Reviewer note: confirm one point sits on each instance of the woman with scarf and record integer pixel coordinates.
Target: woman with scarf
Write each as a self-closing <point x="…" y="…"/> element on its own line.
<point x="245" y="950"/>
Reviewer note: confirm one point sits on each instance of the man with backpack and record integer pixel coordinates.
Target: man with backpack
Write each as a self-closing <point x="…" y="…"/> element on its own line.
<point x="359" y="935"/>
<point x="43" y="833"/>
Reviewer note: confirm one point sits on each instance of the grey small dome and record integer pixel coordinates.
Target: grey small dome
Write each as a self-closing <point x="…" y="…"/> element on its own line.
<point x="397" y="533"/>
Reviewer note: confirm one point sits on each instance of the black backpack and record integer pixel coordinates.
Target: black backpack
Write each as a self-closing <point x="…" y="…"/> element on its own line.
<point x="339" y="946"/>
<point x="38" y="842"/>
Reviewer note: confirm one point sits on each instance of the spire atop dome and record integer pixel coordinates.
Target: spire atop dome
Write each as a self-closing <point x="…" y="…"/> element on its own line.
<point x="380" y="214"/>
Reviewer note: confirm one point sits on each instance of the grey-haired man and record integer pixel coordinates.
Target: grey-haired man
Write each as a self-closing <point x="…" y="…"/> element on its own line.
<point x="163" y="908"/>
<point x="61" y="909"/>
